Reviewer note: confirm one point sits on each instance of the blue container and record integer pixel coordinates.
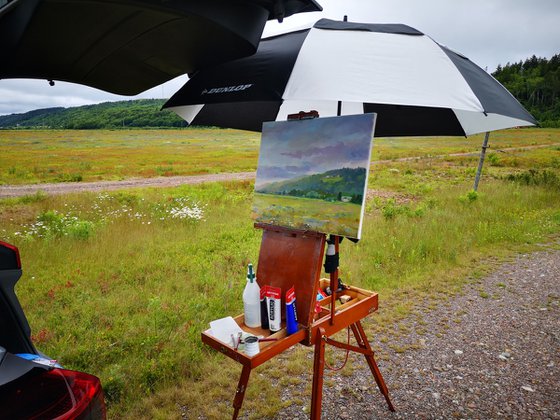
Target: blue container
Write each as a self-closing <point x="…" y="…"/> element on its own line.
<point x="291" y="315"/>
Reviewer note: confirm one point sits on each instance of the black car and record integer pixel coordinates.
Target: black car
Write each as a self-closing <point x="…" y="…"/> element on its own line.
<point x="31" y="385"/>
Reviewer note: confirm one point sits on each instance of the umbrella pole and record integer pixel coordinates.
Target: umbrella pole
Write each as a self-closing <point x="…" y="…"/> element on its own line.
<point x="481" y="161"/>
<point x="339" y="105"/>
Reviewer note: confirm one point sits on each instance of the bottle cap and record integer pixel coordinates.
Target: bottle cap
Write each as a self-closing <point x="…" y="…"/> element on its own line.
<point x="250" y="274"/>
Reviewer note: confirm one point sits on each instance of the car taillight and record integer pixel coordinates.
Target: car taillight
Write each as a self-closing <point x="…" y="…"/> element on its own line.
<point x="54" y="394"/>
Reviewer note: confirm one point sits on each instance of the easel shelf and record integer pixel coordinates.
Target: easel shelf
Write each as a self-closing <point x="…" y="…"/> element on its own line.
<point x="294" y="258"/>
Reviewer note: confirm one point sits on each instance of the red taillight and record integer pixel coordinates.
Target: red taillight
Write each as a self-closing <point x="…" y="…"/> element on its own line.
<point x="15" y="252"/>
<point x="55" y="394"/>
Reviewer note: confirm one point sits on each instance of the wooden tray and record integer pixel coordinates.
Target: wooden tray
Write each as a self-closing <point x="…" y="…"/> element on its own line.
<point x="362" y="303"/>
<point x="268" y="349"/>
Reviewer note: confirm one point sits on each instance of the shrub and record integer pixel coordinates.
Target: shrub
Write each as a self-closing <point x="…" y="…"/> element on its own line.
<point x="51" y="224"/>
<point x="469" y="197"/>
<point x="69" y="178"/>
<point x="81" y="229"/>
<point x="535" y="177"/>
<point x="493" y="158"/>
<point x="32" y="198"/>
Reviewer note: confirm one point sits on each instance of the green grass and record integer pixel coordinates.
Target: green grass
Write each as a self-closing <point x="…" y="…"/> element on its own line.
<point x="92" y="155"/>
<point x="397" y="147"/>
<point x="121" y="284"/>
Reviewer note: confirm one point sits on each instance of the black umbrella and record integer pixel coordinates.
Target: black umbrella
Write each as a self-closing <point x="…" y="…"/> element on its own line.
<point x="128" y="46"/>
<point x="415" y="85"/>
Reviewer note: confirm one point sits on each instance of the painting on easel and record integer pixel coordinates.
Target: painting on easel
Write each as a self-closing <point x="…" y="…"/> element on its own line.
<point x="312" y="174"/>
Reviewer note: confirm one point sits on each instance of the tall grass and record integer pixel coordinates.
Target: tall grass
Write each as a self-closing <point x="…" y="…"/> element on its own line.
<point x="129" y="302"/>
<point x="128" y="299"/>
<point x="92" y="155"/>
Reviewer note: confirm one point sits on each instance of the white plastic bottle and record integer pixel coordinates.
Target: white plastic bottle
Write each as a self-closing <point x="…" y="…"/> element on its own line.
<point x="252" y="300"/>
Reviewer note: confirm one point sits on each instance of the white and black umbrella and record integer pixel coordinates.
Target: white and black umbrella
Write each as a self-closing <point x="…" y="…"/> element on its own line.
<point x="415" y="85"/>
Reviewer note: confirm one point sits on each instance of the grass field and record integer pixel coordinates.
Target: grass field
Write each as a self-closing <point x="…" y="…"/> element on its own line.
<point x="121" y="284"/>
<point x="307" y="214"/>
<point x="32" y="156"/>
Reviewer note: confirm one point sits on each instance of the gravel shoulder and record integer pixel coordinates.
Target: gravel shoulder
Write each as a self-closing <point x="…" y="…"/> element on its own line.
<point x="492" y="351"/>
<point x="8" y="191"/>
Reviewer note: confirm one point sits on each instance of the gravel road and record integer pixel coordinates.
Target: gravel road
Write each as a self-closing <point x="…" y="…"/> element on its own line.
<point x="491" y="352"/>
<point x="7" y="191"/>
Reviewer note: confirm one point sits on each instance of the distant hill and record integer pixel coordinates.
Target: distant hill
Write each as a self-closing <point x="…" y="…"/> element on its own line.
<point x="122" y="114"/>
<point x="535" y="82"/>
<point x="346" y="184"/>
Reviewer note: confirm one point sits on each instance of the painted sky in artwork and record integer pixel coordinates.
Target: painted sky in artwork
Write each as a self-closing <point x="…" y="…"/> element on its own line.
<point x="290" y="149"/>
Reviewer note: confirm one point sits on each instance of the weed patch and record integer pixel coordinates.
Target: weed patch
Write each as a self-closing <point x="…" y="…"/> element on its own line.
<point x="52" y="224"/>
<point x="545" y="178"/>
<point x="390" y="210"/>
<point x="69" y="178"/>
<point x="469" y="197"/>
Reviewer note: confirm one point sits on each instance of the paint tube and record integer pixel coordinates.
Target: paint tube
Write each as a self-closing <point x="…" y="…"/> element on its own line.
<point x="264" y="310"/>
<point x="291" y="314"/>
<point x="321" y="295"/>
<point x="273" y="299"/>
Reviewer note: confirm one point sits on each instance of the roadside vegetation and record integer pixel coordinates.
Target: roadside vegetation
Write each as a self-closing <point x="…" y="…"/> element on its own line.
<point x="121" y="284"/>
<point x="95" y="155"/>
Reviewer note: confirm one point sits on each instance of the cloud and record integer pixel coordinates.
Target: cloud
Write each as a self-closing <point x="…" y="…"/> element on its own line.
<point x="339" y="151"/>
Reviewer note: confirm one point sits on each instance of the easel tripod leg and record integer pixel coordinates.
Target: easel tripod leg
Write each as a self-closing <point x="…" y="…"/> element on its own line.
<point x="363" y="342"/>
<point x="318" y="369"/>
<point x="240" y="392"/>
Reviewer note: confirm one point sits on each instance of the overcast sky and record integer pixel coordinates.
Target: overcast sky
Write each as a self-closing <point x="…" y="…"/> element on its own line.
<point x="489" y="32"/>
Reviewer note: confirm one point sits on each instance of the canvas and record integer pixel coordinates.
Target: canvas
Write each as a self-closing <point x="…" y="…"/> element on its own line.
<point x="312" y="174"/>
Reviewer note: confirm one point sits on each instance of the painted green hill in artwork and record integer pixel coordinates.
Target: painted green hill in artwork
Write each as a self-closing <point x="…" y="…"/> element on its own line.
<point x="346" y="184"/>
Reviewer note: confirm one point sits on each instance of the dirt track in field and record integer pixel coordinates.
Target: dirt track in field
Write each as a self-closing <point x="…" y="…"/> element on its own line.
<point x="8" y="191"/>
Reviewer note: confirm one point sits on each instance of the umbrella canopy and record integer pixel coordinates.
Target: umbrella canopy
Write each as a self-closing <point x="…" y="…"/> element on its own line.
<point x="128" y="46"/>
<point x="417" y="86"/>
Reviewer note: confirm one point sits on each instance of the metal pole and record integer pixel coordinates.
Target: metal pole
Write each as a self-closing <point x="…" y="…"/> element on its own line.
<point x="481" y="161"/>
<point x="339" y="105"/>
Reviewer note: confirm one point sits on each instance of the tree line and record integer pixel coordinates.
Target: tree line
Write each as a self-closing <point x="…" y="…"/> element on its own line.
<point x="137" y="113"/>
<point x="535" y="82"/>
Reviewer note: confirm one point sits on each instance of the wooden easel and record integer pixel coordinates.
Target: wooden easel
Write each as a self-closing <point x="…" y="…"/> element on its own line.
<point x="289" y="258"/>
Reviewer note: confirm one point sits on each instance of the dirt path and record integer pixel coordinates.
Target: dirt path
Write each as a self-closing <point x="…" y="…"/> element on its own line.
<point x="491" y="352"/>
<point x="69" y="187"/>
<point x="7" y="191"/>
